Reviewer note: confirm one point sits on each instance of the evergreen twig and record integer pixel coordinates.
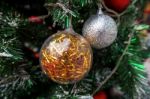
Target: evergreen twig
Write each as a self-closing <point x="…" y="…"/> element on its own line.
<point x="60" y="5"/>
<point x="116" y="67"/>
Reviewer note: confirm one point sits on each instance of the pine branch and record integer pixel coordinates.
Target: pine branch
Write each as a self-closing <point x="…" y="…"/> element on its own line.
<point x="4" y="54"/>
<point x="8" y="37"/>
<point x="116" y="67"/>
<point x="62" y="6"/>
<point x="132" y="76"/>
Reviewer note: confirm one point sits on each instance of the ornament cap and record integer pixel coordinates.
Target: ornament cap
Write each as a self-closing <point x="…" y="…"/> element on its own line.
<point x="70" y="30"/>
<point x="99" y="11"/>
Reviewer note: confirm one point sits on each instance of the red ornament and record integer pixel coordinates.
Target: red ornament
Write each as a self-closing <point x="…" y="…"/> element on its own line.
<point x="117" y="5"/>
<point x="35" y="19"/>
<point x="36" y="55"/>
<point x="147" y="8"/>
<point x="100" y="95"/>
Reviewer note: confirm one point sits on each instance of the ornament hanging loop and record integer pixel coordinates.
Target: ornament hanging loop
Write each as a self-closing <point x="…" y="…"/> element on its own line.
<point x="69" y="27"/>
<point x="99" y="11"/>
<point x="99" y="8"/>
<point x="68" y="24"/>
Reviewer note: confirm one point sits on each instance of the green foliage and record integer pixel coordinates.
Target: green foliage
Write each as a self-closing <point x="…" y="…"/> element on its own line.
<point x="10" y="50"/>
<point x="61" y="16"/>
<point x="132" y="73"/>
<point x="13" y="79"/>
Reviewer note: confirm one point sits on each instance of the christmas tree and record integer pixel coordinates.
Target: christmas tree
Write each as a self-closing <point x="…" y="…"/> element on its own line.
<point x="74" y="49"/>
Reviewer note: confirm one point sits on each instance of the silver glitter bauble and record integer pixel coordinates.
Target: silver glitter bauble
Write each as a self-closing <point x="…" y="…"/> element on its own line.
<point x="148" y="44"/>
<point x="100" y="30"/>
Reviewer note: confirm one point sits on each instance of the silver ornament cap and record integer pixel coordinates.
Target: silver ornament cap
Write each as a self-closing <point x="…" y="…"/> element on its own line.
<point x="100" y="30"/>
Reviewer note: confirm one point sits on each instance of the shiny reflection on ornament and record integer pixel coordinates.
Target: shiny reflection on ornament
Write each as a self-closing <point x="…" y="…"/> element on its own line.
<point x="66" y="57"/>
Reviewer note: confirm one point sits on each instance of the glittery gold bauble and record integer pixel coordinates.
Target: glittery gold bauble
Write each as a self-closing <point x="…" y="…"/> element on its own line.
<point x="66" y="57"/>
<point x="100" y="30"/>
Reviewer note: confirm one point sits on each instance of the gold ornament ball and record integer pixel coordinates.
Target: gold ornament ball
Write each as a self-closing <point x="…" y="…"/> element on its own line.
<point x="66" y="57"/>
